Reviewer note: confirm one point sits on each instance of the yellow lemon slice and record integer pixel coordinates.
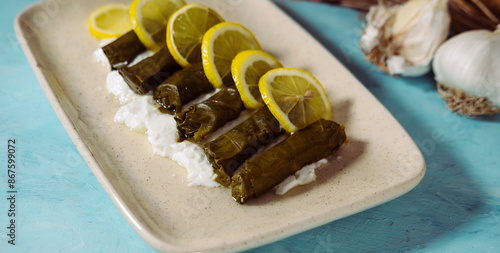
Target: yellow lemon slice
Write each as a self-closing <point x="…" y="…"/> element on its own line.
<point x="247" y="68"/>
<point x="219" y="46"/>
<point x="149" y="20"/>
<point x="185" y="30"/>
<point x="110" y="20"/>
<point x="294" y="97"/>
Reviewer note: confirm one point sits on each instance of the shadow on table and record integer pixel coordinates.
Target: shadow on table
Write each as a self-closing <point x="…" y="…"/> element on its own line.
<point x="445" y="199"/>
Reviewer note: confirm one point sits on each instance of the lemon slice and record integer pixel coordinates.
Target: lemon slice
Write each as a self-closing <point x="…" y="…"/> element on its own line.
<point x="294" y="97"/>
<point x="247" y="68"/>
<point x="149" y="20"/>
<point x="185" y="30"/>
<point x="219" y="46"/>
<point x="110" y="20"/>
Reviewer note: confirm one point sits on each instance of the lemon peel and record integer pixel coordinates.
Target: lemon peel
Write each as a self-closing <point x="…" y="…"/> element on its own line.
<point x="295" y="97"/>
<point x="109" y="21"/>
<point x="220" y="45"/>
<point x="185" y="30"/>
<point x="247" y="68"/>
<point x="149" y="19"/>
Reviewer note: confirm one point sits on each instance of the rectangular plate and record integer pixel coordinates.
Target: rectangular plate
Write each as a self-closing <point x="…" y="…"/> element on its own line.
<point x="380" y="162"/>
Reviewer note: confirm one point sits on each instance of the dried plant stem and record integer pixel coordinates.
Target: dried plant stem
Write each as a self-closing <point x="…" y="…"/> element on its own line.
<point x="486" y="11"/>
<point x="363" y="5"/>
<point x="472" y="14"/>
<point x="462" y="103"/>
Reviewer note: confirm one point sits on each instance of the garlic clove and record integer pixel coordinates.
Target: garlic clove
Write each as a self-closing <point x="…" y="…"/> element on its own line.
<point x="377" y="16"/>
<point x="402" y="39"/>
<point x="398" y="64"/>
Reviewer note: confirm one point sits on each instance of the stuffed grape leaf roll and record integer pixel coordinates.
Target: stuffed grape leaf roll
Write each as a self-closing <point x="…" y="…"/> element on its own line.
<point x="123" y="50"/>
<point x="206" y="117"/>
<point x="228" y="151"/>
<point x="268" y="169"/>
<point x="145" y="76"/>
<point x="180" y="88"/>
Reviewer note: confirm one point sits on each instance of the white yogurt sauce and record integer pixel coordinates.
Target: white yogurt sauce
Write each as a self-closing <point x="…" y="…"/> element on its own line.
<point x="138" y="112"/>
<point x="99" y="57"/>
<point x="304" y="176"/>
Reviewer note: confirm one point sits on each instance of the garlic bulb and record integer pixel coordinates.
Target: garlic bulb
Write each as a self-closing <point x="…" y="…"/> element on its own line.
<point x="466" y="69"/>
<point x="402" y="39"/>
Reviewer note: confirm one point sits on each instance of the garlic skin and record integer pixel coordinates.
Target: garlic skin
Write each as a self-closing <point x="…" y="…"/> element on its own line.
<point x="469" y="61"/>
<point x="403" y="39"/>
<point x="377" y="17"/>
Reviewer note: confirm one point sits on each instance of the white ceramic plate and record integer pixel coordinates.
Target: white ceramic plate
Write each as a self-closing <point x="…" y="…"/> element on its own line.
<point x="380" y="162"/>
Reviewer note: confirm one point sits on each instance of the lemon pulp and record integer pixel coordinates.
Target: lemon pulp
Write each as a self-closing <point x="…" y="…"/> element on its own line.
<point x="110" y="20"/>
<point x="295" y="97"/>
<point x="149" y="20"/>
<point x="247" y="68"/>
<point x="185" y="30"/>
<point x="220" y="45"/>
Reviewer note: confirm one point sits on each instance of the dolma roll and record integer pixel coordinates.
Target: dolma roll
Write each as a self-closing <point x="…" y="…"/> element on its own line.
<point x="206" y="117"/>
<point x="180" y="88"/>
<point x="123" y="50"/>
<point x="268" y="169"/>
<point x="148" y="73"/>
<point x="228" y="151"/>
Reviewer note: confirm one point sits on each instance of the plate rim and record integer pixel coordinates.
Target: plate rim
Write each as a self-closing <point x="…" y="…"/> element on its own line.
<point x="133" y="218"/>
<point x="68" y="125"/>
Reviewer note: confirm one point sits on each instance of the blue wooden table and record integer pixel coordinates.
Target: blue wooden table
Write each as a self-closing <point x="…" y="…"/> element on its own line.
<point x="60" y="207"/>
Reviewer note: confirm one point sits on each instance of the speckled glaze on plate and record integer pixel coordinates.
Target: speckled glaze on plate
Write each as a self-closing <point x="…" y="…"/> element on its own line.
<point x="380" y="162"/>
